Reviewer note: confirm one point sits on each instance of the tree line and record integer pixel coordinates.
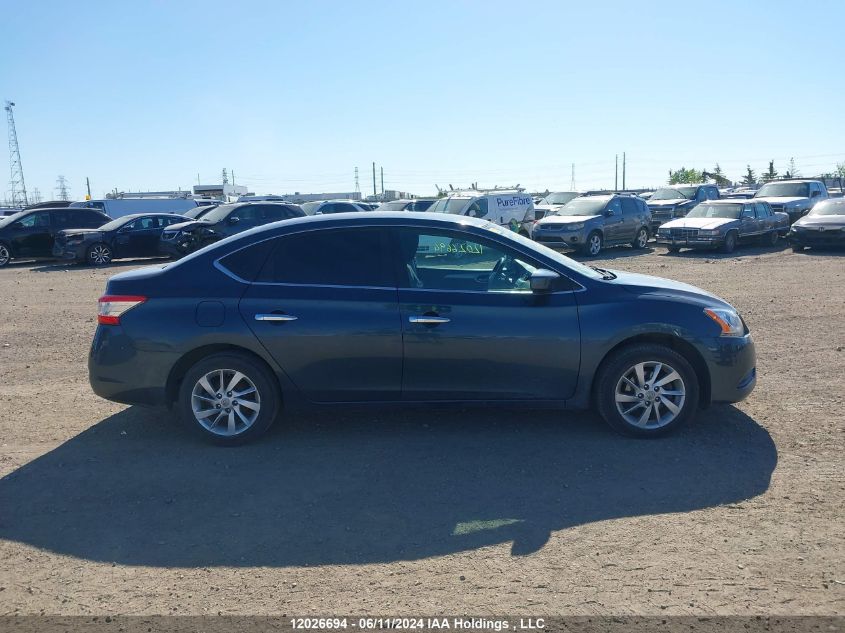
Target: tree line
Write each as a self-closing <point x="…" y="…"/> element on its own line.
<point x="693" y="176"/>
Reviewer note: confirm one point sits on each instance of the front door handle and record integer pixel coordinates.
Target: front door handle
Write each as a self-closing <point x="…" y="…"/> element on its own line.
<point x="428" y="320"/>
<point x="275" y="317"/>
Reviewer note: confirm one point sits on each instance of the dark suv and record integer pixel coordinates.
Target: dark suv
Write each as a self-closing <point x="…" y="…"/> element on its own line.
<point x="228" y="219"/>
<point x="31" y="234"/>
<point x="668" y="203"/>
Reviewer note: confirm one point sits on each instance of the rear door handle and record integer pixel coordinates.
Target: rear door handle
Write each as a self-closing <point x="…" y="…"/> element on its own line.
<point x="275" y="317"/>
<point x="428" y="320"/>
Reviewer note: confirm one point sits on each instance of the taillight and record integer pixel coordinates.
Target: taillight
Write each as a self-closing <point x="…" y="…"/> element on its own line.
<point x="111" y="307"/>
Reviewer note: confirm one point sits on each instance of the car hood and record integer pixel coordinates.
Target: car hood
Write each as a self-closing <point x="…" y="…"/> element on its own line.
<point x="667" y="203"/>
<point x="191" y="224"/>
<point x="821" y="220"/>
<point x="776" y="200"/>
<point x="565" y="219"/>
<point x="647" y="284"/>
<point x="697" y="223"/>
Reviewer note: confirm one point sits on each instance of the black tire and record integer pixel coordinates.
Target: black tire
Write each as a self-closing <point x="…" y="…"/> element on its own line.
<point x="797" y="248"/>
<point x="617" y="366"/>
<point x="674" y="249"/>
<point x="267" y="396"/>
<point x="592" y="247"/>
<point x="99" y="254"/>
<point x="640" y="239"/>
<point x="729" y="245"/>
<point x="772" y="238"/>
<point x="5" y="254"/>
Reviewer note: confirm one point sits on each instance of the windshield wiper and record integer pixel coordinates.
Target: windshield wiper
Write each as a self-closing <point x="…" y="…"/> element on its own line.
<point x="605" y="274"/>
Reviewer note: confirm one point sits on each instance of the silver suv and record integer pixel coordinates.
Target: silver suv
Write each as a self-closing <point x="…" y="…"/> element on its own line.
<point x="590" y="223"/>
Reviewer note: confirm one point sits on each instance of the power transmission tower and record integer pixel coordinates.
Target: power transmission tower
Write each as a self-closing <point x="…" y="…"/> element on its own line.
<point x="357" y="184"/>
<point x="36" y="196"/>
<point x="572" y="180"/>
<point x="61" y="188"/>
<point x="16" y="182"/>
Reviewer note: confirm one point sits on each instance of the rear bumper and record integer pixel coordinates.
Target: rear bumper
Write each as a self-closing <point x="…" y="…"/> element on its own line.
<point x="732" y="364"/>
<point x="120" y="372"/>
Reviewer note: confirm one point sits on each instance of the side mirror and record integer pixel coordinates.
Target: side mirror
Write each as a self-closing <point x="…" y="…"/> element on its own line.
<point x="234" y="219"/>
<point x="543" y="280"/>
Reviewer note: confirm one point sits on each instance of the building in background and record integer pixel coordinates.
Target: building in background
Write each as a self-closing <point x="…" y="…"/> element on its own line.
<point x="298" y="197"/>
<point x="224" y="191"/>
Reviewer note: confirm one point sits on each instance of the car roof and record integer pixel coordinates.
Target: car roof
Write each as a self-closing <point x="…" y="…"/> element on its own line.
<point x="132" y="216"/>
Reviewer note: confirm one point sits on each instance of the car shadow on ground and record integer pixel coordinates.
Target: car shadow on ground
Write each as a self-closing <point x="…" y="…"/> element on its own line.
<point x="612" y="252"/>
<point x="742" y="250"/>
<point x="367" y="487"/>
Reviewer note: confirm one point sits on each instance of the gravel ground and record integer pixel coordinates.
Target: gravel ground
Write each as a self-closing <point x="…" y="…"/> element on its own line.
<point x="106" y="509"/>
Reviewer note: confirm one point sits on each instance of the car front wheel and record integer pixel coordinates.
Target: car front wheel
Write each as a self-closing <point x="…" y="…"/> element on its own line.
<point x="5" y="255"/>
<point x="593" y="245"/>
<point x="229" y="398"/>
<point x="646" y="391"/>
<point x="729" y="245"/>
<point x="99" y="255"/>
<point x="641" y="240"/>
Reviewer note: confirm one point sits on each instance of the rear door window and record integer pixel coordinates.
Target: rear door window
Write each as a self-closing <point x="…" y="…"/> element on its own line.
<point x="331" y="257"/>
<point x="629" y="206"/>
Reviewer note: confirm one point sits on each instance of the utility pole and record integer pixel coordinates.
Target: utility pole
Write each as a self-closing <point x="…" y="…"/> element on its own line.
<point x="616" y="177"/>
<point x="624" y="188"/>
<point x="382" y="182"/>
<point x="88" y="186"/>
<point x="198" y="178"/>
<point x="16" y="182"/>
<point x="572" y="179"/>
<point x="233" y="177"/>
<point x="61" y="187"/>
<point x="357" y="184"/>
<point x="375" y="193"/>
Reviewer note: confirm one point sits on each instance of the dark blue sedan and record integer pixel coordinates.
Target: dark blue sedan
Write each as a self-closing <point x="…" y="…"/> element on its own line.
<point x="403" y="308"/>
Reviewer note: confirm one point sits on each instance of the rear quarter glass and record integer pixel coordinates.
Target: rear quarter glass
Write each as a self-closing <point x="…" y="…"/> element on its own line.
<point x="248" y="261"/>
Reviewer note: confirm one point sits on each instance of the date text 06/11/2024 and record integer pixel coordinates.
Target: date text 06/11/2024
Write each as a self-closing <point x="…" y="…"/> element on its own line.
<point x="419" y="624"/>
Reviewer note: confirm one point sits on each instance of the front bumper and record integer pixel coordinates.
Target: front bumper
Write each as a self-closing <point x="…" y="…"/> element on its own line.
<point x="814" y="237"/>
<point x="120" y="372"/>
<point x="561" y="238"/>
<point x="690" y="242"/>
<point x="732" y="364"/>
<point x="69" y="252"/>
<point x="176" y="248"/>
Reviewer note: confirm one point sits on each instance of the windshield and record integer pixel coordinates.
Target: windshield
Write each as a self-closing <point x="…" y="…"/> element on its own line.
<point x="705" y="210"/>
<point x="449" y="205"/>
<point x="829" y="207"/>
<point x="674" y="193"/>
<point x="560" y="197"/>
<point x="115" y="224"/>
<point x="396" y="205"/>
<point x="310" y="207"/>
<point x="215" y="215"/>
<point x="199" y="211"/>
<point x="583" y="206"/>
<point x="784" y="190"/>
<point x="545" y="250"/>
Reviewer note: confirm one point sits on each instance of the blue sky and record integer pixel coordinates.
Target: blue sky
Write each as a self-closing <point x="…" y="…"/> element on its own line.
<point x="293" y="96"/>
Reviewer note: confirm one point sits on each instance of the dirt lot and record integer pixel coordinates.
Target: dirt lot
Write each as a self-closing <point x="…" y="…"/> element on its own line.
<point x="106" y="509"/>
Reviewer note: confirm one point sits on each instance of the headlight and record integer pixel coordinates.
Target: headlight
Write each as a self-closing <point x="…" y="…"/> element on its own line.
<point x="577" y="226"/>
<point x="709" y="232"/>
<point x="728" y="320"/>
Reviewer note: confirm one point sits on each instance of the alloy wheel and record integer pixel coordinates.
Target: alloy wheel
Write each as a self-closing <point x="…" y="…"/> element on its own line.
<point x="5" y="256"/>
<point x="100" y="254"/>
<point x="225" y="402"/>
<point x="650" y="395"/>
<point x="642" y="238"/>
<point x="594" y="245"/>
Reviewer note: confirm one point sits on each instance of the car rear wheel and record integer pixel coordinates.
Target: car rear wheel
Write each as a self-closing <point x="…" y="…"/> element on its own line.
<point x="674" y="249"/>
<point x="593" y="245"/>
<point x="5" y="255"/>
<point x="730" y="242"/>
<point x="641" y="240"/>
<point x="229" y="398"/>
<point x="797" y="248"/>
<point x="646" y="391"/>
<point x="772" y="238"/>
<point x="99" y="255"/>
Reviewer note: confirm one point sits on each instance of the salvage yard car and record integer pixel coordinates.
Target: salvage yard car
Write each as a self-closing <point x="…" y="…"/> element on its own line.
<point x="724" y="224"/>
<point x="344" y="309"/>
<point x="676" y="201"/>
<point x="824" y="225"/>
<point x="228" y="219"/>
<point x="590" y="223"/>
<point x="127" y="236"/>
<point x="794" y="197"/>
<point x="553" y="202"/>
<point x="31" y="234"/>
